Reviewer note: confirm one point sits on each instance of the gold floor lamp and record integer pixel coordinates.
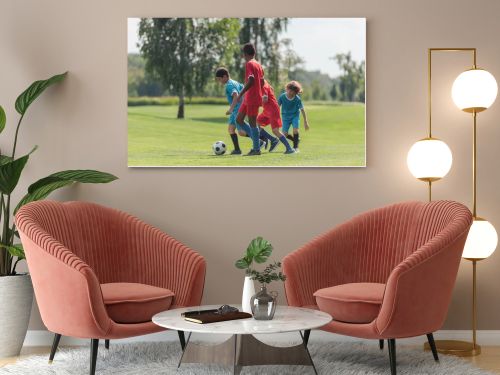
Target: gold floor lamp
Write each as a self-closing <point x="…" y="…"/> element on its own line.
<point x="430" y="159"/>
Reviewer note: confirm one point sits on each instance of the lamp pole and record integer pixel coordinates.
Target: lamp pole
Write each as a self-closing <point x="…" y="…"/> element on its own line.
<point x="429" y="94"/>
<point x="454" y="347"/>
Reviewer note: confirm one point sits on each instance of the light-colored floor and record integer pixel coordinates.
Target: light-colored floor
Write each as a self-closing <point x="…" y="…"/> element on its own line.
<point x="26" y="352"/>
<point x="488" y="360"/>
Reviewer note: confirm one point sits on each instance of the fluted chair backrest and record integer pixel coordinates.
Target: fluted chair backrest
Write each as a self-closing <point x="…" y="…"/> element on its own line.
<point x="382" y="238"/>
<point x="368" y="247"/>
<point x="72" y="248"/>
<point x="96" y="234"/>
<point x="115" y="245"/>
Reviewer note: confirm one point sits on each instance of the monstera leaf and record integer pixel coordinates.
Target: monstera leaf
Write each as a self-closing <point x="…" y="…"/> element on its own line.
<point x="258" y="250"/>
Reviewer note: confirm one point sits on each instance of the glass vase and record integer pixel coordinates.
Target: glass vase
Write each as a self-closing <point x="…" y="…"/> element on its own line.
<point x="263" y="304"/>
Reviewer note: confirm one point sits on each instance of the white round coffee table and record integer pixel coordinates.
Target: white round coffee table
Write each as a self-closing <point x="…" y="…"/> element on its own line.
<point x="242" y="348"/>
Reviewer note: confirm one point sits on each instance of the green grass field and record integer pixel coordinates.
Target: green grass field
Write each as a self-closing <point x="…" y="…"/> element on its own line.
<point x="157" y="138"/>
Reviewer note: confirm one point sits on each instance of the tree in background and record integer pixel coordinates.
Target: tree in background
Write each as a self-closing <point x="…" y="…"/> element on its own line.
<point x="351" y="84"/>
<point x="334" y="94"/>
<point x="290" y="62"/>
<point x="264" y="34"/>
<point x="316" y="85"/>
<point x="182" y="53"/>
<point x="139" y="82"/>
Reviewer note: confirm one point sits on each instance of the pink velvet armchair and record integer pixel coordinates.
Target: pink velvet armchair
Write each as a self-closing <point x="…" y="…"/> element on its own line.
<point x="99" y="273"/>
<point x="385" y="274"/>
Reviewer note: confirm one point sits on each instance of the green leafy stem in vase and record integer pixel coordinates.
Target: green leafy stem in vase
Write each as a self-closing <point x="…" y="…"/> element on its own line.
<point x="269" y="274"/>
<point x="11" y="170"/>
<point x="258" y="251"/>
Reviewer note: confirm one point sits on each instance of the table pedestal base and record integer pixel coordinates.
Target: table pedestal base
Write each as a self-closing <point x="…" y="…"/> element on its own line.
<point x="246" y="350"/>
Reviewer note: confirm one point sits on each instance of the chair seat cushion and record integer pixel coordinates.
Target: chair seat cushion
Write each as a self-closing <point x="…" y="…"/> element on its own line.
<point x="135" y="303"/>
<point x="351" y="303"/>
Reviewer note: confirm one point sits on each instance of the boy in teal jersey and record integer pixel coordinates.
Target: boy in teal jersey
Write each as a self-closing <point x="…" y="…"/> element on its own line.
<point x="232" y="89"/>
<point x="291" y="107"/>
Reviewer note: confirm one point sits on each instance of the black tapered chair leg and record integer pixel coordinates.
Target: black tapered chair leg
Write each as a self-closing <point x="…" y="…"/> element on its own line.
<point x="182" y="339"/>
<point x="381" y="344"/>
<point x="94" y="346"/>
<point x="55" y="344"/>
<point x="307" y="333"/>
<point x="106" y="344"/>
<point x="392" y="355"/>
<point x="432" y="344"/>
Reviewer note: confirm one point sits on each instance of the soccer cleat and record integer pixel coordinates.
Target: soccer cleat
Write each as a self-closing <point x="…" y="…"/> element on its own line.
<point x="273" y="145"/>
<point x="290" y="151"/>
<point x="263" y="144"/>
<point x="296" y="150"/>
<point x="253" y="152"/>
<point x="236" y="152"/>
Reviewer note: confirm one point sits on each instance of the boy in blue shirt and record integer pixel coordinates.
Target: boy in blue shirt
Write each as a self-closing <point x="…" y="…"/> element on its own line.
<point x="291" y="107"/>
<point x="232" y="89"/>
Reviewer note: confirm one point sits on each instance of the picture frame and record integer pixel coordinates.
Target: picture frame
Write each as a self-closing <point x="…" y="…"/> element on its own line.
<point x="183" y="74"/>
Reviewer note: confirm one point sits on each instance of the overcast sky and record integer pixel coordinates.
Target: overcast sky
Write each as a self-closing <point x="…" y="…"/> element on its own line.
<point x="316" y="40"/>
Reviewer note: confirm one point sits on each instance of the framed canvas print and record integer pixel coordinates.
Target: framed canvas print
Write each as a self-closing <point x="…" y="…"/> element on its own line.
<point x="246" y="92"/>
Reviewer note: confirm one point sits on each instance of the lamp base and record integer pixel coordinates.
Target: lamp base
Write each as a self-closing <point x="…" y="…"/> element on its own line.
<point x="456" y="348"/>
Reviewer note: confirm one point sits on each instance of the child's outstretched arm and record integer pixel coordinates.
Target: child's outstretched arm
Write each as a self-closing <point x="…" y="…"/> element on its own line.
<point x="304" y="115"/>
<point x="233" y="103"/>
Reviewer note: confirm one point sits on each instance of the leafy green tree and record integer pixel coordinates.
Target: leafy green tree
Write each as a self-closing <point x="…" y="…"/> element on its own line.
<point x="316" y="90"/>
<point x="182" y="53"/>
<point x="351" y="86"/>
<point x="309" y="79"/>
<point x="361" y="82"/>
<point x="264" y="34"/>
<point x="334" y="94"/>
<point x="290" y="62"/>
<point x="139" y="82"/>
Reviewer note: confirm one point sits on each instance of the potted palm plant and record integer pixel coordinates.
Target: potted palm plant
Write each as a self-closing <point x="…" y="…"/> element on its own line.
<point x="16" y="291"/>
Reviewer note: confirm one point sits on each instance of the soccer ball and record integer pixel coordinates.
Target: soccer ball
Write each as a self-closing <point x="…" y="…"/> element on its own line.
<point x="219" y="148"/>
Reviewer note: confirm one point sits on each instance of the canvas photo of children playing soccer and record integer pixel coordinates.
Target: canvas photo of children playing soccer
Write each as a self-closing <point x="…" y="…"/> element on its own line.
<point x="246" y="92"/>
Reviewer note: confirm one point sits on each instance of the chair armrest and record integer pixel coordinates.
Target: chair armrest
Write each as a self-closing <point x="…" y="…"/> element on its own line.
<point x="419" y="289"/>
<point x="323" y="262"/>
<point x="67" y="290"/>
<point x="165" y="262"/>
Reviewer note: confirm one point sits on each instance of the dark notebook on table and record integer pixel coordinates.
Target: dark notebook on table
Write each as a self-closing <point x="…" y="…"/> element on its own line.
<point x="213" y="316"/>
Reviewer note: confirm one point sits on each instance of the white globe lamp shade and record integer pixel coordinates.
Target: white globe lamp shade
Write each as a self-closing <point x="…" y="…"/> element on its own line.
<point x="481" y="241"/>
<point x="474" y="90"/>
<point x="429" y="159"/>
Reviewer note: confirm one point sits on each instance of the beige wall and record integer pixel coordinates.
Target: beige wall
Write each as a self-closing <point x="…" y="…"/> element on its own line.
<point x="83" y="124"/>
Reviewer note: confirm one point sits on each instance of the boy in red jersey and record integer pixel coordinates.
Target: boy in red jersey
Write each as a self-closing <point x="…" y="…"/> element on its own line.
<point x="254" y="81"/>
<point x="271" y="115"/>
